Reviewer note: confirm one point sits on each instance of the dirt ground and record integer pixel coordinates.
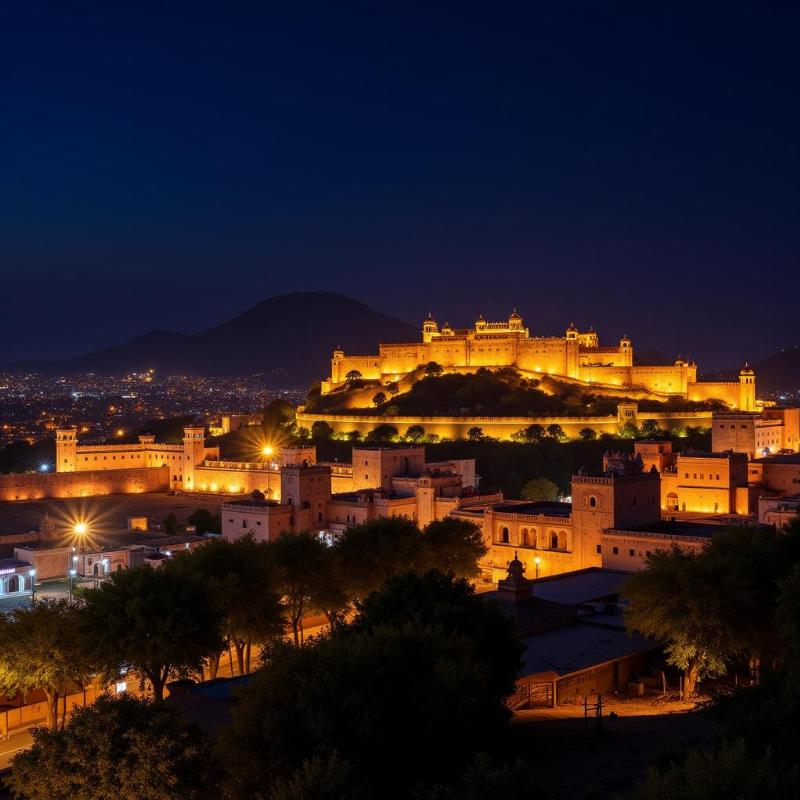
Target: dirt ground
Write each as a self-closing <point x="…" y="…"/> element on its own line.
<point x="570" y="759"/>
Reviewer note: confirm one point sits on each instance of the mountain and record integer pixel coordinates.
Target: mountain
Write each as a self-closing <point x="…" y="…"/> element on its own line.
<point x="780" y="372"/>
<point x="293" y="334"/>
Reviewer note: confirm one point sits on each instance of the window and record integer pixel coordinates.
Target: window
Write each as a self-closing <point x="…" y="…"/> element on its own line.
<point x="592" y="501"/>
<point x="553" y="540"/>
<point x="630" y="552"/>
<point x="615" y="550"/>
<point x="504" y="535"/>
<point x="244" y="523"/>
<point x="599" y="548"/>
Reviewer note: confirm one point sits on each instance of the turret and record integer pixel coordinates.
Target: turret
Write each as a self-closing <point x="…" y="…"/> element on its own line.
<point x="572" y="333"/>
<point x="66" y="449"/>
<point x="430" y="328"/>
<point x="626" y="351"/>
<point x="514" y="321"/>
<point x="747" y="388"/>
<point x="480" y="323"/>
<point x="447" y="330"/>
<point x="194" y="453"/>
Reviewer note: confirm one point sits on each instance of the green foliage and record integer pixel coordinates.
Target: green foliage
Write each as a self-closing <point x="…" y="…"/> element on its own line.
<point x="392" y="388"/>
<point x="205" y="521"/>
<point x="533" y="434"/>
<point x="588" y="434"/>
<point x="675" y="601"/>
<point x="158" y="622"/>
<point x="451" y="606"/>
<point x="41" y="648"/>
<point x="354" y="436"/>
<point x="454" y="546"/>
<point x="730" y="772"/>
<point x="122" y="748"/>
<point x="244" y="582"/>
<point x="556" y="432"/>
<point x="320" y="431"/>
<point x="433" y="370"/>
<point x="382" y="434"/>
<point x="539" y="489"/>
<point x="409" y="697"/>
<point x="379" y="549"/>
<point x="278" y="414"/>
<point x="170" y="524"/>
<point x="475" y="434"/>
<point x="309" y="578"/>
<point x="323" y="777"/>
<point x="414" y="433"/>
<point x="378" y="399"/>
<point x="483" y="780"/>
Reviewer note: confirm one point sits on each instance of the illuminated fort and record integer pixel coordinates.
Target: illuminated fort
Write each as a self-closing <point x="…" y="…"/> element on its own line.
<point x="575" y="357"/>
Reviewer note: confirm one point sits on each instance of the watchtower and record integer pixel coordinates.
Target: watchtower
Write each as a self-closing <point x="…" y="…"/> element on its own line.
<point x="747" y="389"/>
<point x="194" y="453"/>
<point x="66" y="449"/>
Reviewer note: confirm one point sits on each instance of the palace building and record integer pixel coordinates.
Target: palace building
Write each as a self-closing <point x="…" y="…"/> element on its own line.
<point x="576" y="357"/>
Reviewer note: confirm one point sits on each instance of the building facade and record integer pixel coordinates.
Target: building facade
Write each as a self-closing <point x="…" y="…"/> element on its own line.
<point x="577" y="357"/>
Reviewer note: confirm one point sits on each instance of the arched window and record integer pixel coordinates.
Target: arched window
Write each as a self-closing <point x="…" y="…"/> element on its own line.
<point x="592" y="501"/>
<point x="12" y="585"/>
<point x="504" y="535"/>
<point x="553" y="540"/>
<point x="526" y="537"/>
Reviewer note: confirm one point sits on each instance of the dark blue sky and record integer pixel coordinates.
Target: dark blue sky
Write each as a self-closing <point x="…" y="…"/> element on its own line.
<point x="167" y="165"/>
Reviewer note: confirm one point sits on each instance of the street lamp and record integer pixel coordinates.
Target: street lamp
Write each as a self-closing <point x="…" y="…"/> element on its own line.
<point x="537" y="561"/>
<point x="72" y="574"/>
<point x="267" y="450"/>
<point x="32" y="573"/>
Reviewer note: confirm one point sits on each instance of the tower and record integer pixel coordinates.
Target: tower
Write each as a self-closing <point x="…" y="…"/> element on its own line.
<point x="429" y="329"/>
<point x="194" y="452"/>
<point x="626" y="351"/>
<point x="747" y="389"/>
<point x="572" y="351"/>
<point x="515" y="321"/>
<point x="66" y="449"/>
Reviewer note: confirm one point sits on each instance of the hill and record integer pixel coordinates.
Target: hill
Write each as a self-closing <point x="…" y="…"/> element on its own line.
<point x="291" y="336"/>
<point x="780" y="372"/>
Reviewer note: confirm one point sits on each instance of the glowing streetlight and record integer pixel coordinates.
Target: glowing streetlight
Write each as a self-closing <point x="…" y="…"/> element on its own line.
<point x="44" y="467"/>
<point x="80" y="528"/>
<point x="267" y="450"/>
<point x="32" y="573"/>
<point x="537" y="561"/>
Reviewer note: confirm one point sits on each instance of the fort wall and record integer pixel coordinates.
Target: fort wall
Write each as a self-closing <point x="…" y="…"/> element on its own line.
<point x="130" y="480"/>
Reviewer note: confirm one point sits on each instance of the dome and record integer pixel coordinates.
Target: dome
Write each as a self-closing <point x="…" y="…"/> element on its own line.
<point x="514" y="315"/>
<point x="572" y="327"/>
<point x="516" y="569"/>
<point x="746" y="370"/>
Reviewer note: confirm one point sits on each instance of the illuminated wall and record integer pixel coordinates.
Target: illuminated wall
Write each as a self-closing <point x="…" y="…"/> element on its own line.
<point x="35" y="486"/>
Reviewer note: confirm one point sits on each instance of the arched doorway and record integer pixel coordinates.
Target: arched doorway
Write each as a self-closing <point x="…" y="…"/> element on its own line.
<point x="672" y="502"/>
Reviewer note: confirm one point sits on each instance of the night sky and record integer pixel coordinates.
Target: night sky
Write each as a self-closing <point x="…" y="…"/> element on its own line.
<point x="166" y="166"/>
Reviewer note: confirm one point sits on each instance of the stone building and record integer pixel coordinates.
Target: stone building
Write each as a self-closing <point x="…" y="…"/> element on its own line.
<point x="577" y="357"/>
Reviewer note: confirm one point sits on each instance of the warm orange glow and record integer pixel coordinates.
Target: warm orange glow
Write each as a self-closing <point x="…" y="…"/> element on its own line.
<point x="80" y="528"/>
<point x="267" y="450"/>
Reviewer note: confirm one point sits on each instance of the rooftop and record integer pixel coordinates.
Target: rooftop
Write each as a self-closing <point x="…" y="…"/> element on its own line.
<point x="578" y="647"/>
<point x="784" y="459"/>
<point x="538" y="508"/>
<point x="582" y="586"/>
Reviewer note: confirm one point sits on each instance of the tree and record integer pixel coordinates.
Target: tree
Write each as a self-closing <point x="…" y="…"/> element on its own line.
<point x="308" y="578"/>
<point x="475" y="434"/>
<point x="676" y="600"/>
<point x="533" y="434"/>
<point x="415" y="433"/>
<point x="376" y="550"/>
<point x="204" y="521"/>
<point x="454" y="546"/>
<point x="433" y="370"/>
<point x="651" y="429"/>
<point x="629" y="431"/>
<point x="393" y="388"/>
<point x="382" y="434"/>
<point x="354" y="436"/>
<point x="728" y="772"/>
<point x="378" y="399"/>
<point x="414" y="697"/>
<point x="277" y="414"/>
<point x="321" y="431"/>
<point x="540" y="489"/>
<point x="157" y="622"/>
<point x="118" y="748"/>
<point x="41" y="647"/>
<point x="449" y="605"/>
<point x="353" y="375"/>
<point x="556" y="432"/>
<point x="245" y="584"/>
<point x="588" y="434"/>
<point x="170" y="524"/>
